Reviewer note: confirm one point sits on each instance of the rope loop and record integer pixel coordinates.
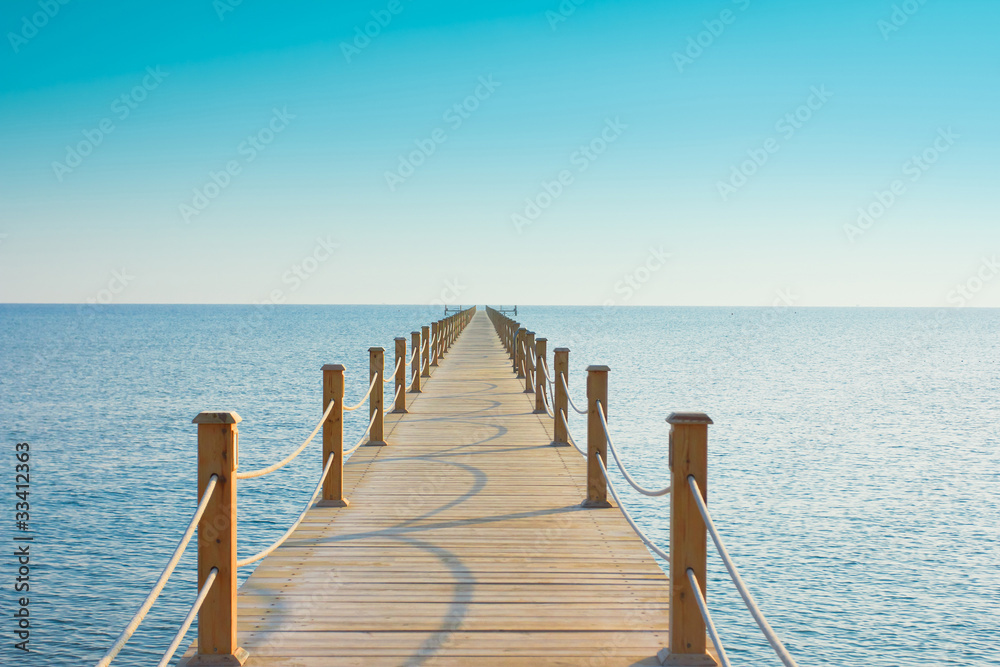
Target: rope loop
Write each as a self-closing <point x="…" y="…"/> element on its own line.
<point x="281" y="540"/>
<point x="363" y="398"/>
<point x="751" y="604"/>
<point x="147" y="604"/>
<point x="628" y="478"/>
<point x="291" y="457"/>
<point x="562" y="379"/>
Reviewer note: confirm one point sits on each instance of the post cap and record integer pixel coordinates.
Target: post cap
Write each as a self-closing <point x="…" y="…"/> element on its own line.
<point x="217" y="417"/>
<point x="414" y="333"/>
<point x="689" y="418"/>
<point x="426" y="326"/>
<point x="598" y="369"/>
<point x="376" y="349"/>
<point x="334" y="367"/>
<point x="529" y="333"/>
<point x="541" y="340"/>
<point x="561" y="349"/>
<point x="402" y="338"/>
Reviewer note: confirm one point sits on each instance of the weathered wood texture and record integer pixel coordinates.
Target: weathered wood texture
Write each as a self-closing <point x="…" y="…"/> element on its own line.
<point x="464" y="544"/>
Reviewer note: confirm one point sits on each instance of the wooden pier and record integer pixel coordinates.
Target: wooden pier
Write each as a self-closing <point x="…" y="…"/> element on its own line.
<point x="464" y="543"/>
<point x="466" y="527"/>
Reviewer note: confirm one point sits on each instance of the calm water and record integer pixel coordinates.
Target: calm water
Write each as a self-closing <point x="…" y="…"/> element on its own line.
<point x="853" y="463"/>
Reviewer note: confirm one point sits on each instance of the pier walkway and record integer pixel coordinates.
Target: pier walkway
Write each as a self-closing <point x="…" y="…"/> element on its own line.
<point x="467" y="526"/>
<point x="464" y="544"/>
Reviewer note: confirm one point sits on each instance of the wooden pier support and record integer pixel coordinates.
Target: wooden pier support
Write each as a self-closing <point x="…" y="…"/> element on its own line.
<point x="435" y="342"/>
<point x="529" y="365"/>
<point x="333" y="436"/>
<point x="415" y="363"/>
<point x="425" y="350"/>
<point x="560" y="402"/>
<point x="399" y="390"/>
<point x="376" y="407"/>
<point x="688" y="456"/>
<point x="540" y="387"/>
<point x="218" y="454"/>
<point x="519" y="352"/>
<point x="597" y="441"/>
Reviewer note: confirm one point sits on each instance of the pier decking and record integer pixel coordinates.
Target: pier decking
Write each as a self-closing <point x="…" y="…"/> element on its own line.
<point x="464" y="544"/>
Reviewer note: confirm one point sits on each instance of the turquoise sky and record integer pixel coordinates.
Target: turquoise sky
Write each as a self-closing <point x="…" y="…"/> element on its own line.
<point x="583" y="152"/>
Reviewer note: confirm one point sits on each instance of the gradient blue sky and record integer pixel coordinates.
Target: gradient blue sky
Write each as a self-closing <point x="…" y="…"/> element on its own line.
<point x="656" y="186"/>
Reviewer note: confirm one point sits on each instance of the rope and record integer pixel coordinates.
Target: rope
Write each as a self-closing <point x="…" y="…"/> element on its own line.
<point x="529" y="351"/>
<point x="562" y="378"/>
<point x="367" y="430"/>
<point x="545" y="402"/>
<point x="396" y="397"/>
<point x="628" y="478"/>
<point x="281" y="540"/>
<point x="189" y="619"/>
<point x="748" y="600"/>
<point x="394" y="371"/>
<point x="628" y="517"/>
<point x="291" y="457"/>
<point x="569" y="436"/>
<point x="548" y="378"/>
<point x="363" y="398"/>
<point x="703" y="607"/>
<point x="147" y="604"/>
<point x="412" y="354"/>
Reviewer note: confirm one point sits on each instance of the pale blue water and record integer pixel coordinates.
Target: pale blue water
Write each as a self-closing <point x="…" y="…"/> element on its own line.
<point x="853" y="463"/>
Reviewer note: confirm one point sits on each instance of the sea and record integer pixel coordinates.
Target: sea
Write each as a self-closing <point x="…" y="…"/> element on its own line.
<point x="853" y="461"/>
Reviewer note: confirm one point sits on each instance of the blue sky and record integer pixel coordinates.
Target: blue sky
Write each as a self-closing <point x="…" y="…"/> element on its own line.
<point x="709" y="153"/>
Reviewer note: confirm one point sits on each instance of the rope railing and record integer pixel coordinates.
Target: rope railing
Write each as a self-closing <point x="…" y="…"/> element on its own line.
<point x="751" y="604"/>
<point x="281" y="540"/>
<point x="291" y="457"/>
<point x="363" y="398"/>
<point x="713" y="633"/>
<point x="628" y="517"/>
<point x="569" y="437"/>
<point x="218" y="452"/>
<point x="396" y="397"/>
<point x="350" y="451"/>
<point x="545" y="402"/>
<point x="392" y="377"/>
<point x="547" y="375"/>
<point x="628" y="478"/>
<point x="147" y="604"/>
<point x="189" y="619"/>
<point x="689" y="611"/>
<point x="562" y="379"/>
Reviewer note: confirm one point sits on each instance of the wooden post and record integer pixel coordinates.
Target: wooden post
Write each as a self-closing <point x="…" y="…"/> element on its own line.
<point x="415" y="363"/>
<point x="218" y="454"/>
<point x="529" y="366"/>
<point x="435" y="342"/>
<point x="376" y="402"/>
<point x="597" y="442"/>
<point x="540" y="375"/>
<point x="519" y="352"/>
<point x="426" y="353"/>
<point x="688" y="456"/>
<point x="400" y="366"/>
<point x="560" y="403"/>
<point x="333" y="436"/>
